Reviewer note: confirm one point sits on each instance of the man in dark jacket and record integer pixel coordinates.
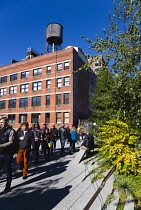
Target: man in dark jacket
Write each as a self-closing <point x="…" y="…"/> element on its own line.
<point x="54" y="133"/>
<point x="63" y="137"/>
<point x="7" y="138"/>
<point x="25" y="137"/>
<point x="88" y="143"/>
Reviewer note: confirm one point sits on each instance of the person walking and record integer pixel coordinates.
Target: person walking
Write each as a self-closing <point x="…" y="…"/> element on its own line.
<point x="7" y="141"/>
<point x="43" y="130"/>
<point x="68" y="134"/>
<point x="25" y="137"/>
<point x="37" y="137"/>
<point x="73" y="135"/>
<point x="47" y="136"/>
<point x="63" y="138"/>
<point x="54" y="133"/>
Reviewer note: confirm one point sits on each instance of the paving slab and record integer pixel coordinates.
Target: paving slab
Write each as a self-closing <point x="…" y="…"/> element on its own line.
<point x="129" y="203"/>
<point x="113" y="204"/>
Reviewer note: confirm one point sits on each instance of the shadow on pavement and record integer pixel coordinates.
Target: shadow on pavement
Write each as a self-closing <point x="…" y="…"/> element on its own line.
<point x="37" y="193"/>
<point x="42" y="190"/>
<point x="33" y="198"/>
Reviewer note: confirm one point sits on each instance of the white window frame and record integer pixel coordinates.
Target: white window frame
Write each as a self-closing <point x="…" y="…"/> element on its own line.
<point x="26" y="74"/>
<point x="12" y="120"/>
<point x="48" y="69"/>
<point x="22" y="118"/>
<point x="37" y="86"/>
<point x="13" y="89"/>
<point x="3" y="91"/>
<point x="66" y="99"/>
<point x="66" y="81"/>
<point x="59" y="82"/>
<point x="48" y="118"/>
<point x="59" y="67"/>
<point x="66" y="117"/>
<point x="37" y="71"/>
<point x="24" y="88"/>
<point x="66" y="65"/>
<point x="58" y="119"/>
<point x="48" y="84"/>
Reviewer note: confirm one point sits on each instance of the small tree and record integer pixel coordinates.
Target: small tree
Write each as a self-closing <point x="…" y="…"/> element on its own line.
<point x="101" y="97"/>
<point x="121" y="47"/>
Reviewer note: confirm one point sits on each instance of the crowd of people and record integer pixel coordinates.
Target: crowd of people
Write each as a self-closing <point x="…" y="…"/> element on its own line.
<point x="27" y="140"/>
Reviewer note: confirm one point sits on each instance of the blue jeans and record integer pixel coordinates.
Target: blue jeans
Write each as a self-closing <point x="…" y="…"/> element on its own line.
<point x="53" y="142"/>
<point x="62" y="141"/>
<point x="6" y="165"/>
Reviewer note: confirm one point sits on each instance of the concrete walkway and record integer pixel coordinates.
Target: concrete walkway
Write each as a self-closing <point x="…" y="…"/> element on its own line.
<point x="56" y="185"/>
<point x="48" y="184"/>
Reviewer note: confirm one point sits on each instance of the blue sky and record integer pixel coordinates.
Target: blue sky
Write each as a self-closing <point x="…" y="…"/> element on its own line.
<point x="23" y="24"/>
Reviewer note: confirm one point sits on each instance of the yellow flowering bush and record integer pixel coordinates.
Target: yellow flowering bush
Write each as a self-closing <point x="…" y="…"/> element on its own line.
<point x="120" y="146"/>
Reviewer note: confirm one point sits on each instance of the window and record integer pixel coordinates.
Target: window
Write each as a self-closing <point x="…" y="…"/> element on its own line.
<point x="37" y="86"/>
<point x="37" y="72"/>
<point x="48" y="69"/>
<point x="66" y="98"/>
<point x="66" y="65"/>
<point x="2" y="104"/>
<point x="13" y="77"/>
<point x="11" y="118"/>
<point x="47" y="117"/>
<point x="13" y="89"/>
<point x="36" y="101"/>
<point x="59" y="67"/>
<point x="58" y="99"/>
<point x="66" y="81"/>
<point x="58" y="117"/>
<point x="48" y="100"/>
<point x="22" y="118"/>
<point x="3" y="91"/>
<point x="48" y="84"/>
<point x="23" y="102"/>
<point x="12" y="103"/>
<point x="24" y="88"/>
<point x="3" y="79"/>
<point x="35" y="118"/>
<point x="25" y="74"/>
<point x="66" y="117"/>
<point x="59" y="82"/>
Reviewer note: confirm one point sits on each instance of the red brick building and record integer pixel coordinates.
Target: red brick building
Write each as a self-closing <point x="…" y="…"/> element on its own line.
<point x="44" y="88"/>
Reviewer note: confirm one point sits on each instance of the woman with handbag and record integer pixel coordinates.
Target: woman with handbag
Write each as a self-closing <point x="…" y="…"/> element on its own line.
<point x="47" y="136"/>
